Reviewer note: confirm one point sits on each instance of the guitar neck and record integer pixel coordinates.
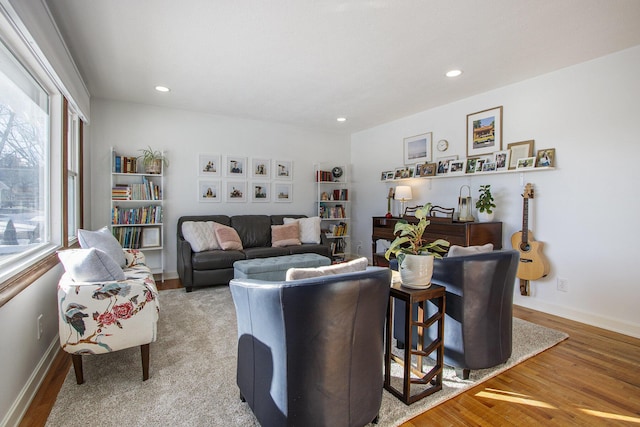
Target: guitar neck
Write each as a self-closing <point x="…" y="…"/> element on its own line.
<point x="525" y="220"/>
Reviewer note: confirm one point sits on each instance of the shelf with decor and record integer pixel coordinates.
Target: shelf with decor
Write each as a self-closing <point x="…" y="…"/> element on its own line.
<point x="137" y="207"/>
<point x="469" y="175"/>
<point x="333" y="203"/>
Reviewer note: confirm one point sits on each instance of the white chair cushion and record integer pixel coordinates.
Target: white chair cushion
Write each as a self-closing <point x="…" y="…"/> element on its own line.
<point x="359" y="264"/>
<point x="90" y="265"/>
<point x="102" y="239"/>
<point x="455" y="250"/>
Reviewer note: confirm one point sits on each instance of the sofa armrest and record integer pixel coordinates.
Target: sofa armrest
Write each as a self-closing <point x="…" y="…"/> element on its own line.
<point x="185" y="267"/>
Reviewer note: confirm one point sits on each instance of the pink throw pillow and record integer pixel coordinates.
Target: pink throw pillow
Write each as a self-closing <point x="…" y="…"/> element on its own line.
<point x="227" y="237"/>
<point x="285" y="235"/>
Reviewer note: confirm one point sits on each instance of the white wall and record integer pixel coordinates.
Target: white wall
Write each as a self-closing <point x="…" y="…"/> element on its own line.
<point x="584" y="211"/>
<point x="183" y="134"/>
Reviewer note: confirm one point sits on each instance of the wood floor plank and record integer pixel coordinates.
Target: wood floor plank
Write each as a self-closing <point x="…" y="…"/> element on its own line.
<point x="590" y="379"/>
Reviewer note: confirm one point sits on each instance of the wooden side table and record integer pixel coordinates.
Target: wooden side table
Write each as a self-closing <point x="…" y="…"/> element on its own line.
<point x="432" y="379"/>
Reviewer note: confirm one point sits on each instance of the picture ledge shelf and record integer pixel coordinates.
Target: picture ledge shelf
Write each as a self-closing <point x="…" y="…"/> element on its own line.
<point x="469" y="175"/>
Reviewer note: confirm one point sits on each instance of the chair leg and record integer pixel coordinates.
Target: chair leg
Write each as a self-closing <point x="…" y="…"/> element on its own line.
<point x="376" y="420"/>
<point x="144" y="351"/>
<point x="77" y="367"/>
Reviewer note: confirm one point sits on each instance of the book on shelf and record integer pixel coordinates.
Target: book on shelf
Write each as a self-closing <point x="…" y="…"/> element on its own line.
<point x="147" y="190"/>
<point x="324" y="176"/>
<point x="138" y="215"/>
<point x="338" y="230"/>
<point x="128" y="237"/>
<point x="331" y="212"/>
<point x="124" y="164"/>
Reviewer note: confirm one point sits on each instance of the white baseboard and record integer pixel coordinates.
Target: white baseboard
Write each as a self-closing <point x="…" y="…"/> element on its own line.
<point x="22" y="402"/>
<point x="609" y="324"/>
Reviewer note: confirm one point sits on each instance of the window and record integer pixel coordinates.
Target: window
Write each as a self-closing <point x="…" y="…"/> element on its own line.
<point x="73" y="202"/>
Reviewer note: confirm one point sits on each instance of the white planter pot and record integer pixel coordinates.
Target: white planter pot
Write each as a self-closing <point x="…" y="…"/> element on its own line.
<point x="416" y="271"/>
<point x="485" y="217"/>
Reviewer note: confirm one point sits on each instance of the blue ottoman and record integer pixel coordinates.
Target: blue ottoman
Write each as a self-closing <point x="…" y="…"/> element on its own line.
<point x="275" y="268"/>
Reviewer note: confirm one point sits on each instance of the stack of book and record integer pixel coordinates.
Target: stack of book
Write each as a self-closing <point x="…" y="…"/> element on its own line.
<point x="121" y="192"/>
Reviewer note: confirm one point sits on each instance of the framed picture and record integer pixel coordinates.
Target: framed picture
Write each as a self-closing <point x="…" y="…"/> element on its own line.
<point x="260" y="192"/>
<point x="489" y="166"/>
<point x="390" y="175"/>
<point x="209" y="164"/>
<point x="384" y="175"/>
<point x="443" y="164"/>
<point x="283" y="170"/>
<point x="519" y="150"/>
<point x="526" y="163"/>
<point x="480" y="164"/>
<point x="235" y="166"/>
<point x="261" y="168"/>
<point x="151" y="237"/>
<point x="282" y="192"/>
<point x="425" y="169"/>
<point x="209" y="191"/>
<point x="501" y="159"/>
<point x="404" y="172"/>
<point x="484" y="132"/>
<point x="417" y="149"/>
<point x="546" y="158"/>
<point x="471" y="165"/>
<point x="236" y="191"/>
<point x="456" y="167"/>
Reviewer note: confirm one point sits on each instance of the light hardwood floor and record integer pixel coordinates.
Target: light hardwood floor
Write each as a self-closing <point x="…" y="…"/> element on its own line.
<point x="591" y="379"/>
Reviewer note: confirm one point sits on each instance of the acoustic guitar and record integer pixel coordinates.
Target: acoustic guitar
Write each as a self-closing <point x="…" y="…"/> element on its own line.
<point x="533" y="264"/>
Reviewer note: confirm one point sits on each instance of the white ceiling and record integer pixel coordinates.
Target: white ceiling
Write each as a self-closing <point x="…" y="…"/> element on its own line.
<point x="307" y="62"/>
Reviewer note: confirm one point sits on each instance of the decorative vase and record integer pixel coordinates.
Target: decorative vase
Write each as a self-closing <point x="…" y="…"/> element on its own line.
<point x="416" y="271"/>
<point x="485" y="217"/>
<point x="153" y="167"/>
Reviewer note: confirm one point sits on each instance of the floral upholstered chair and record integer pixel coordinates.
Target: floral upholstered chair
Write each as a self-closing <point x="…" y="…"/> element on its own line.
<point x="104" y="307"/>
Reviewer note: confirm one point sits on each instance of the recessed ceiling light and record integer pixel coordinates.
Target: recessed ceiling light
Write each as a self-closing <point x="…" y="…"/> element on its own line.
<point x="162" y="89"/>
<point x="341" y="119"/>
<point x="453" y="73"/>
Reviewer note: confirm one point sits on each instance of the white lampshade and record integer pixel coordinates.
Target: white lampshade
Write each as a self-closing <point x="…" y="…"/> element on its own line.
<point x="403" y="193"/>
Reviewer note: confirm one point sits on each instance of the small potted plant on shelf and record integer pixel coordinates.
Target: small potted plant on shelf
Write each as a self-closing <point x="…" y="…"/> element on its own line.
<point x="485" y="204"/>
<point x="414" y="254"/>
<point x="153" y="160"/>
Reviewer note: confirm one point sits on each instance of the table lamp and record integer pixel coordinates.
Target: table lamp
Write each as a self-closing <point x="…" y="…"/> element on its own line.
<point x="403" y="193"/>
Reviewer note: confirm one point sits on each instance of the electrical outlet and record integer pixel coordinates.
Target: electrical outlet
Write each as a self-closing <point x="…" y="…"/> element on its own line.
<point x="39" y="326"/>
<point x="563" y="284"/>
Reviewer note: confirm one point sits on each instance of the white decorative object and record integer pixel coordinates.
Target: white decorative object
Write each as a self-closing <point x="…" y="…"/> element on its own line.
<point x="416" y="271"/>
<point x="485" y="217"/>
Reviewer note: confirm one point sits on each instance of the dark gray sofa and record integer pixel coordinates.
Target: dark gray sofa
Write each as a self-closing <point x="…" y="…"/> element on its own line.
<point x="215" y="267"/>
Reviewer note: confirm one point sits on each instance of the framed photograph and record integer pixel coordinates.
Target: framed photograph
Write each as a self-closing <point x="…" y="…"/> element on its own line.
<point x="151" y="237"/>
<point x="404" y="172"/>
<point x="283" y="170"/>
<point x="417" y="149"/>
<point x="260" y="192"/>
<point x="283" y="193"/>
<point x="526" y="163"/>
<point x="209" y="191"/>
<point x="546" y="158"/>
<point x="236" y="191"/>
<point x="480" y="164"/>
<point x="209" y="164"/>
<point x="390" y="175"/>
<point x="261" y="168"/>
<point x="501" y="159"/>
<point x="235" y="166"/>
<point x="484" y="132"/>
<point x="384" y="175"/>
<point x="519" y="150"/>
<point x="425" y="169"/>
<point x="443" y="164"/>
<point x="489" y="166"/>
<point x="456" y="167"/>
<point x="471" y="165"/>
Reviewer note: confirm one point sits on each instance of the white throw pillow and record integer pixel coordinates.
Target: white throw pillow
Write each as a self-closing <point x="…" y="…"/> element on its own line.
<point x="455" y="250"/>
<point x="90" y="265"/>
<point x="103" y="239"/>
<point x="201" y="235"/>
<point x="309" y="228"/>
<point x="359" y="264"/>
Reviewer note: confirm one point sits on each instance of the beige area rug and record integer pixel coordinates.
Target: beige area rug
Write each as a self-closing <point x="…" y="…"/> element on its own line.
<point x="192" y="373"/>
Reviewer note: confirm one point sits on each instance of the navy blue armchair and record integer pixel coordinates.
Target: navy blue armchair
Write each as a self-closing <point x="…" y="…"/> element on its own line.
<point x="310" y="351"/>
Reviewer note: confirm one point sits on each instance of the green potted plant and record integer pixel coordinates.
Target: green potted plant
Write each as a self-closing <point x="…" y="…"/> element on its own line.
<point x="414" y="254"/>
<point x="153" y="160"/>
<point x="485" y="204"/>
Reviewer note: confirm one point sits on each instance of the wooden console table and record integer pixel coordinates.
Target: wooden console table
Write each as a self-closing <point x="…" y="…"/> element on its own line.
<point x="456" y="233"/>
<point x="429" y="381"/>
